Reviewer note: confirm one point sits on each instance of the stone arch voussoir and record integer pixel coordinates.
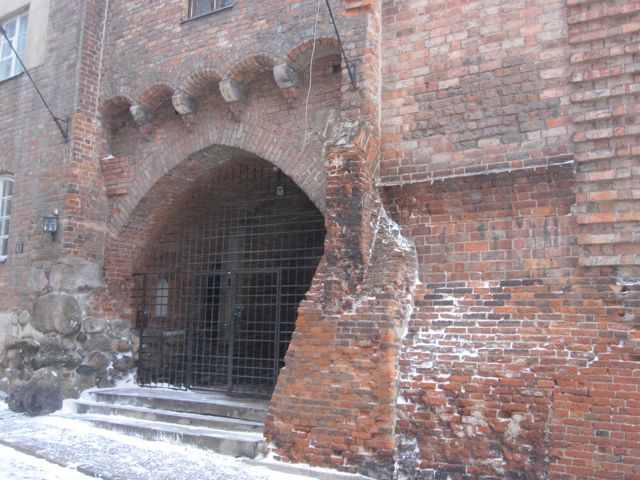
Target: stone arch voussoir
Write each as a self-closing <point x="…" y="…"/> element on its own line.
<point x="197" y="80"/>
<point x="112" y="106"/>
<point x="164" y="175"/>
<point x="155" y="94"/>
<point x="249" y="66"/>
<point x="115" y="105"/>
<point x="300" y="55"/>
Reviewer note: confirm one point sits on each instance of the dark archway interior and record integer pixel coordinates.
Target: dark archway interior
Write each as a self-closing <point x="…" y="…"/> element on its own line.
<point x="217" y="292"/>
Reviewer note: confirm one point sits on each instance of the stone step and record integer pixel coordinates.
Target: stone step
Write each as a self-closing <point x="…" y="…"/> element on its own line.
<point x="236" y="444"/>
<point x="215" y="404"/>
<point x="168" y="416"/>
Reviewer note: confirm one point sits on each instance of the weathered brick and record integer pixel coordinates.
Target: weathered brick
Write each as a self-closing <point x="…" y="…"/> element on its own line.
<point x="520" y="346"/>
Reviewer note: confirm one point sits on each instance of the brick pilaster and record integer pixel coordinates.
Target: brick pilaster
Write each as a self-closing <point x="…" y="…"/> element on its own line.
<point x="335" y="401"/>
<point x="83" y="218"/>
<point x="604" y="110"/>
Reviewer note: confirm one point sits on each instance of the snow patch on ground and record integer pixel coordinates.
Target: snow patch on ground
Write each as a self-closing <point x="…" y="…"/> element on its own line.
<point x="20" y="466"/>
<point x="112" y="454"/>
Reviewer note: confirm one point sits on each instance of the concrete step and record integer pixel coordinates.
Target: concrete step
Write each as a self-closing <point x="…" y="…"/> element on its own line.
<point x="236" y="444"/>
<point x="203" y="403"/>
<point x="167" y="416"/>
<point x="214" y="421"/>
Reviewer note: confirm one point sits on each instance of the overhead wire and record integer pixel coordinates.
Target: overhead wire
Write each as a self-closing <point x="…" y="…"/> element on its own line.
<point x="347" y="62"/>
<point x="307" y="133"/>
<point x="58" y="121"/>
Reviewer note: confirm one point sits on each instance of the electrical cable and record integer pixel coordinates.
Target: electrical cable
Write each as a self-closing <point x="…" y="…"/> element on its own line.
<point x="348" y="63"/>
<point x="307" y="134"/>
<point x="58" y="121"/>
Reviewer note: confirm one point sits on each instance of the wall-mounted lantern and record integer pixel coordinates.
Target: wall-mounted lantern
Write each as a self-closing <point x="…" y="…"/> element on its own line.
<point x="50" y="224"/>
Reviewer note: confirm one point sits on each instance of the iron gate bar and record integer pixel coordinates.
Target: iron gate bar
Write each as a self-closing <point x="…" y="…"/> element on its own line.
<point x="259" y="361"/>
<point x="231" y="364"/>
<point x="232" y="283"/>
<point x="190" y="326"/>
<point x="276" y="337"/>
<point x="233" y="227"/>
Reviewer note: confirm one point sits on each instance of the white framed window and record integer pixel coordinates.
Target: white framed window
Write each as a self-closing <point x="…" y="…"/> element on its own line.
<point x="16" y="30"/>
<point x="6" y="194"/>
<point x="162" y="298"/>
<point x="202" y="7"/>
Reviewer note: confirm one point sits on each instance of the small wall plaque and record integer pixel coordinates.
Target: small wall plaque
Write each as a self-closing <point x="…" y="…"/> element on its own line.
<point x="19" y="247"/>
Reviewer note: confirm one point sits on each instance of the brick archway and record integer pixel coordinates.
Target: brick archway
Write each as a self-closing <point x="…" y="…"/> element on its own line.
<point x="171" y="153"/>
<point x="148" y="168"/>
<point x="222" y="270"/>
<point x="132" y="230"/>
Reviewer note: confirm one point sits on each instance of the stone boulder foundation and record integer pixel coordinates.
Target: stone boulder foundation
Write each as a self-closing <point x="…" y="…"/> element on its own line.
<point x="40" y="395"/>
<point x="57" y="313"/>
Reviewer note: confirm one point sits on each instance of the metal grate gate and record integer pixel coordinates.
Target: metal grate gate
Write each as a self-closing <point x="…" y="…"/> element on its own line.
<point x="218" y="293"/>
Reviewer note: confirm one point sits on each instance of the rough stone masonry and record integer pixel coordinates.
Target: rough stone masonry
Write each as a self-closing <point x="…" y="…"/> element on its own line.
<point x="476" y="311"/>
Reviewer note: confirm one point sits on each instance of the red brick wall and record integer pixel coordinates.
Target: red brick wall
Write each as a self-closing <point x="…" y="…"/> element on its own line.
<point x="162" y="165"/>
<point x="140" y="67"/>
<point x="138" y="31"/>
<point x="237" y="43"/>
<point x="84" y="196"/>
<point x="334" y="404"/>
<point x="596" y="430"/>
<point x="32" y="149"/>
<point x="521" y="357"/>
<point x="471" y="86"/>
<point x="517" y="362"/>
<point x="605" y="110"/>
<point x="243" y="43"/>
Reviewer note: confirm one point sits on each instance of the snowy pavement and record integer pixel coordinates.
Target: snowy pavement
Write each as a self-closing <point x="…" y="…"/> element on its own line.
<point x="15" y="465"/>
<point x="73" y="446"/>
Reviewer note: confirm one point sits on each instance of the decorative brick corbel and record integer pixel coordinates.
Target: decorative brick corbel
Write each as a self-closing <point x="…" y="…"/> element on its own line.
<point x="233" y="93"/>
<point x="186" y="106"/>
<point x="288" y="80"/>
<point x="143" y="118"/>
<point x="184" y="103"/>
